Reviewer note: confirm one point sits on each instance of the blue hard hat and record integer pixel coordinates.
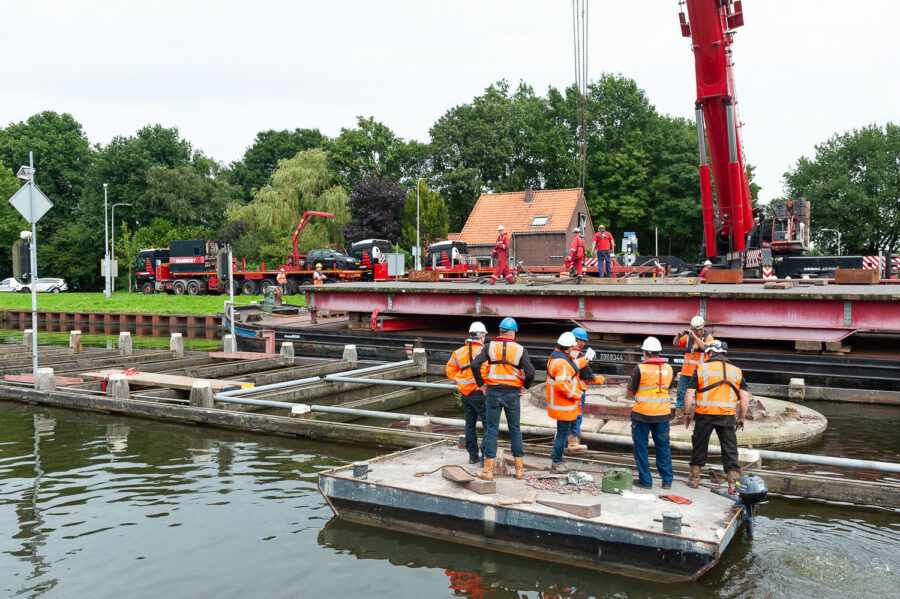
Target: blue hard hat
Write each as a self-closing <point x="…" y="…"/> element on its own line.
<point x="509" y="324"/>
<point x="580" y="333"/>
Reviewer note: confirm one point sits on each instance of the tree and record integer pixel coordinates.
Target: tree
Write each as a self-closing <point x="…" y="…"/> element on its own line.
<point x="370" y="148"/>
<point x="261" y="159"/>
<point x="263" y="228"/>
<point x="190" y="196"/>
<point x="11" y="222"/>
<point x="158" y="233"/>
<point x="853" y="185"/>
<point x="376" y="209"/>
<point x="433" y="217"/>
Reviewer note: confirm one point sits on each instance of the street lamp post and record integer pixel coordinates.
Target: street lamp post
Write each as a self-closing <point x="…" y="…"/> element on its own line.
<point x="113" y="227"/>
<point x="418" y="241"/>
<point x="106" y="242"/>
<point x="838" y="238"/>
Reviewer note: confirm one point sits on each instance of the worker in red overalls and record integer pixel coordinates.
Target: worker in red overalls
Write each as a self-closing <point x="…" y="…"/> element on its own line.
<point x="576" y="254"/>
<point x="501" y="254"/>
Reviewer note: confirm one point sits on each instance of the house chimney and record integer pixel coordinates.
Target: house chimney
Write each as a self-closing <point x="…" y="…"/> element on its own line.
<point x="529" y="196"/>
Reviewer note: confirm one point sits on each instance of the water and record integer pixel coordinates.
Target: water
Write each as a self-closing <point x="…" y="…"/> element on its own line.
<point x="107" y="336"/>
<point x="102" y="506"/>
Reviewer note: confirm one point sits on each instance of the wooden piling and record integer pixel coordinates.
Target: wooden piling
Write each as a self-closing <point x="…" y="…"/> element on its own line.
<point x="75" y="341"/>
<point x="28" y="338"/>
<point x="117" y="386"/>
<point x="125" y="347"/>
<point x="287" y="350"/>
<point x="176" y="345"/>
<point x="421" y="359"/>
<point x="201" y="395"/>
<point x="45" y="379"/>
<point x="228" y="344"/>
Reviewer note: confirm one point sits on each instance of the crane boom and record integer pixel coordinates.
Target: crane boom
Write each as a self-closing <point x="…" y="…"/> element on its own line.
<point x="710" y="24"/>
<point x="294" y="259"/>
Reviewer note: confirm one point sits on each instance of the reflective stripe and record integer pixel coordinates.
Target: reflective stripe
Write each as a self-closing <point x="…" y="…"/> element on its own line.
<point x="655" y="399"/>
<point x="715" y="403"/>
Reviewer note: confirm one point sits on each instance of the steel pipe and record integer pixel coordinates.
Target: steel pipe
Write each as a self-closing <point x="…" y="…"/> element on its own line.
<point x="264" y="403"/>
<point x="373" y="368"/>
<point x="341" y="378"/>
<point x="282" y="385"/>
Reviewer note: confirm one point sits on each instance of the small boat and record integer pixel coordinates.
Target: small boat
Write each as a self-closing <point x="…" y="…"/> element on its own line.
<point x="426" y="491"/>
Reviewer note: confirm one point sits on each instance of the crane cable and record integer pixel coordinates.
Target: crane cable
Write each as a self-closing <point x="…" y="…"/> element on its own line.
<point x="580" y="41"/>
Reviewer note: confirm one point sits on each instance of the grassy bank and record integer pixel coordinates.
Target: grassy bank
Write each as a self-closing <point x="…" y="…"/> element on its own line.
<point x="129" y="302"/>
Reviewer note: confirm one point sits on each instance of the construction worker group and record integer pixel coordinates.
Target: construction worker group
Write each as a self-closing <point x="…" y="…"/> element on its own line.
<point x="711" y="393"/>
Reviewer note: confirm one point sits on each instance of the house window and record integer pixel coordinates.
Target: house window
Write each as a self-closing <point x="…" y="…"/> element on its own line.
<point x="540" y="221"/>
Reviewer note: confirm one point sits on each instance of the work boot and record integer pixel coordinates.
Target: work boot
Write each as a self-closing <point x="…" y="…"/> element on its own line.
<point x="520" y="468"/>
<point x="580" y="279"/>
<point x="694" y="478"/>
<point x="559" y="468"/>
<point x="732" y="477"/>
<point x="679" y="414"/>
<point x="574" y="446"/>
<point x="474" y="460"/>
<point x="493" y="280"/>
<point x="487" y="473"/>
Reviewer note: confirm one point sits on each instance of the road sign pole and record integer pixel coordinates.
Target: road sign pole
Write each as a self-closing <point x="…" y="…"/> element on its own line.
<point x="34" y="327"/>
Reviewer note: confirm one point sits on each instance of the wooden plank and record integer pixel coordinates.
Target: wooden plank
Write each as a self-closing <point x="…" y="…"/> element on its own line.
<point x="855" y="276"/>
<point x="242" y="355"/>
<point x="172" y="381"/>
<point x="456" y="474"/>
<point x="641" y="281"/>
<point x="29" y="378"/>
<point x="583" y="508"/>
<point x="714" y="275"/>
<point x="779" y="285"/>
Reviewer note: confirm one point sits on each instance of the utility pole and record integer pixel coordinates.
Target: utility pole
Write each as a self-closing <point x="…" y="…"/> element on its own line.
<point x="106" y="243"/>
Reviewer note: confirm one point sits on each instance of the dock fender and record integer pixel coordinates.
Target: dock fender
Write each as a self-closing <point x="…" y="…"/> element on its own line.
<point x="490" y="519"/>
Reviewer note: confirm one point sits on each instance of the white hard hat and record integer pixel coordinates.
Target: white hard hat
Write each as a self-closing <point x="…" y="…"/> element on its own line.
<point x="576" y="230"/>
<point x="567" y="339"/>
<point x="707" y="263"/>
<point x="716" y="347"/>
<point x="500" y="228"/>
<point x="697" y="322"/>
<point x="652" y="344"/>
<point x="477" y="328"/>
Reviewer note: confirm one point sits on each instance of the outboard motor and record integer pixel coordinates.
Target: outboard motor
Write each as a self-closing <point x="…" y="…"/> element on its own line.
<point x="751" y="491"/>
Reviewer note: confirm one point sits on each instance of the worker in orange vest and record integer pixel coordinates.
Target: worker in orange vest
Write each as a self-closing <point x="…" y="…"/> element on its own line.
<point x="501" y="254"/>
<point x="282" y="280"/>
<point x="583" y="359"/>
<point x="319" y="276"/>
<point x="576" y="253"/>
<point x="563" y="397"/>
<point x="693" y="341"/>
<point x="722" y="403"/>
<point x="459" y="370"/>
<point x="649" y="386"/>
<point x="508" y="373"/>
<point x="602" y="246"/>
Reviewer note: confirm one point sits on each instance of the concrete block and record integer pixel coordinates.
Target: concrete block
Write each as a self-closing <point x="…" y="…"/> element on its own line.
<point x="420" y="423"/>
<point x="45" y="379"/>
<point x="350" y="354"/>
<point x="176" y="344"/>
<point x="421" y="359"/>
<point x="125" y="347"/>
<point x="797" y="389"/>
<point x="28" y="338"/>
<point x="229" y="346"/>
<point x="808" y="346"/>
<point x="201" y="395"/>
<point x="302" y="411"/>
<point x="117" y="386"/>
<point x="75" y="341"/>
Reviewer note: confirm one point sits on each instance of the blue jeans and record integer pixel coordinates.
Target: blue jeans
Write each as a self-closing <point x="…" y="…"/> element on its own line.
<point x="604" y="264"/>
<point x="500" y="399"/>
<point x="683" y="382"/>
<point x="473" y="410"/>
<point x="640" y="431"/>
<point x="563" y="430"/>
<point x="576" y="428"/>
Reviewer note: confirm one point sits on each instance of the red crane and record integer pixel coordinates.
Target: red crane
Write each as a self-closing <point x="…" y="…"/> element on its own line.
<point x="295" y="262"/>
<point x="710" y="24"/>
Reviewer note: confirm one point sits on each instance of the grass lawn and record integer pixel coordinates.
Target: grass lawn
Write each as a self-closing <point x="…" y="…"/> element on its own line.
<point x="122" y="301"/>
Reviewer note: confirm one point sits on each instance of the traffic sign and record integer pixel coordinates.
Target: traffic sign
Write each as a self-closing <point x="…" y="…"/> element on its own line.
<point x="21" y="201"/>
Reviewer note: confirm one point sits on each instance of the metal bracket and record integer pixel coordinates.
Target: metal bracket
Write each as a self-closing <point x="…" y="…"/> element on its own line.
<point x="390" y="302"/>
<point x="848" y="313"/>
<point x="703" y="307"/>
<point x="581" y="306"/>
<point x="478" y="304"/>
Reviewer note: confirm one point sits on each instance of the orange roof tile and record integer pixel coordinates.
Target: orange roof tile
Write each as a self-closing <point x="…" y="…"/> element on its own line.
<point x="516" y="216"/>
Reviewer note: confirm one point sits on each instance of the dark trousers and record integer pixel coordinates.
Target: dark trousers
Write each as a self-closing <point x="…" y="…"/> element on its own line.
<point x="704" y="425"/>
<point x="473" y="410"/>
<point x="604" y="264"/>
<point x="563" y="430"/>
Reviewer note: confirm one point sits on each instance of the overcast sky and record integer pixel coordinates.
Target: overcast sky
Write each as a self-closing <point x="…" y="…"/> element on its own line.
<point x="222" y="71"/>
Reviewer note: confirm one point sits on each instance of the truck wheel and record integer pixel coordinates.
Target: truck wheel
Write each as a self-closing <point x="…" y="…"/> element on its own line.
<point x="178" y="287"/>
<point x="147" y="288"/>
<point x="306" y="283"/>
<point x="263" y="284"/>
<point x="193" y="287"/>
<point x="25" y="290"/>
<point x="248" y="287"/>
<point x="291" y="287"/>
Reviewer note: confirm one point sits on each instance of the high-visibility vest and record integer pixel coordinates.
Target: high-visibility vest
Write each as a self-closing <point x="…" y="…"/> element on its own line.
<point x="563" y="389"/>
<point x="281" y="278"/>
<point x="580" y="362"/>
<point x="693" y="357"/>
<point x="459" y="367"/>
<point x="718" y="388"/>
<point x="651" y="398"/>
<point x="503" y="363"/>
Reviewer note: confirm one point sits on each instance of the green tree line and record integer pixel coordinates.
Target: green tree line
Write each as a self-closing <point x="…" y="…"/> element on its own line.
<point x="641" y="175"/>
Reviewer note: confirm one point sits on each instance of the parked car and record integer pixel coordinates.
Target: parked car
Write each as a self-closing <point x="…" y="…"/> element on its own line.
<point x="331" y="260"/>
<point x="10" y="284"/>
<point x="48" y="285"/>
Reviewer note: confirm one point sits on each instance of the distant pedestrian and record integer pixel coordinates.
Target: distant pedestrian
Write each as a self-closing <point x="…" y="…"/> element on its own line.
<point x="706" y="266"/>
<point x="576" y="254"/>
<point x="319" y="276"/>
<point x="501" y="254"/>
<point x="649" y="385"/>
<point x="282" y="280"/>
<point x="602" y="246"/>
<point x="509" y="373"/>
<point x="459" y="370"/>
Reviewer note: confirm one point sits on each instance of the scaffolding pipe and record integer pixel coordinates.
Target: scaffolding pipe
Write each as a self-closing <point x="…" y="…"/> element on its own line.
<point x="282" y="385"/>
<point x="341" y="378"/>
<point x="375" y="368"/>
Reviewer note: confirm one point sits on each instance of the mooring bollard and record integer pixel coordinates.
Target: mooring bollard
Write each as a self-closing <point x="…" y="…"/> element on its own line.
<point x="28" y="338"/>
<point x="301" y="411"/>
<point x="287" y="350"/>
<point x="671" y="522"/>
<point x="420" y="423"/>
<point x="228" y="344"/>
<point x="350" y="354"/>
<point x="797" y="389"/>
<point x="201" y="395"/>
<point x="117" y="386"/>
<point x="45" y="380"/>
<point x="75" y="341"/>
<point x="176" y="345"/>
<point x="360" y="470"/>
<point x="421" y="359"/>
<point x="125" y="348"/>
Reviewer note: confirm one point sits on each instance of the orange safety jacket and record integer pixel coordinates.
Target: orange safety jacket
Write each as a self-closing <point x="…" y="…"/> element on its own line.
<point x="503" y="363"/>
<point x="459" y="367"/>
<point x="693" y="356"/>
<point x="563" y="388"/>
<point x="281" y="278"/>
<point x="718" y="388"/>
<point x="651" y="398"/>
<point x="580" y="362"/>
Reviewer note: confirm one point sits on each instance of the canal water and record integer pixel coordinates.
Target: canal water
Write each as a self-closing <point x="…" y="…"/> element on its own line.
<point x="93" y="505"/>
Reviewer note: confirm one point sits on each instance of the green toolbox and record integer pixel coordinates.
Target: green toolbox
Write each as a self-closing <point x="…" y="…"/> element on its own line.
<point x="617" y="480"/>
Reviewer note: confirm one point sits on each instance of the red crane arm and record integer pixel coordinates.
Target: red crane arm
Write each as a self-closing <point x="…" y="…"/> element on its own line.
<point x="303" y="220"/>
<point x="710" y="24"/>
